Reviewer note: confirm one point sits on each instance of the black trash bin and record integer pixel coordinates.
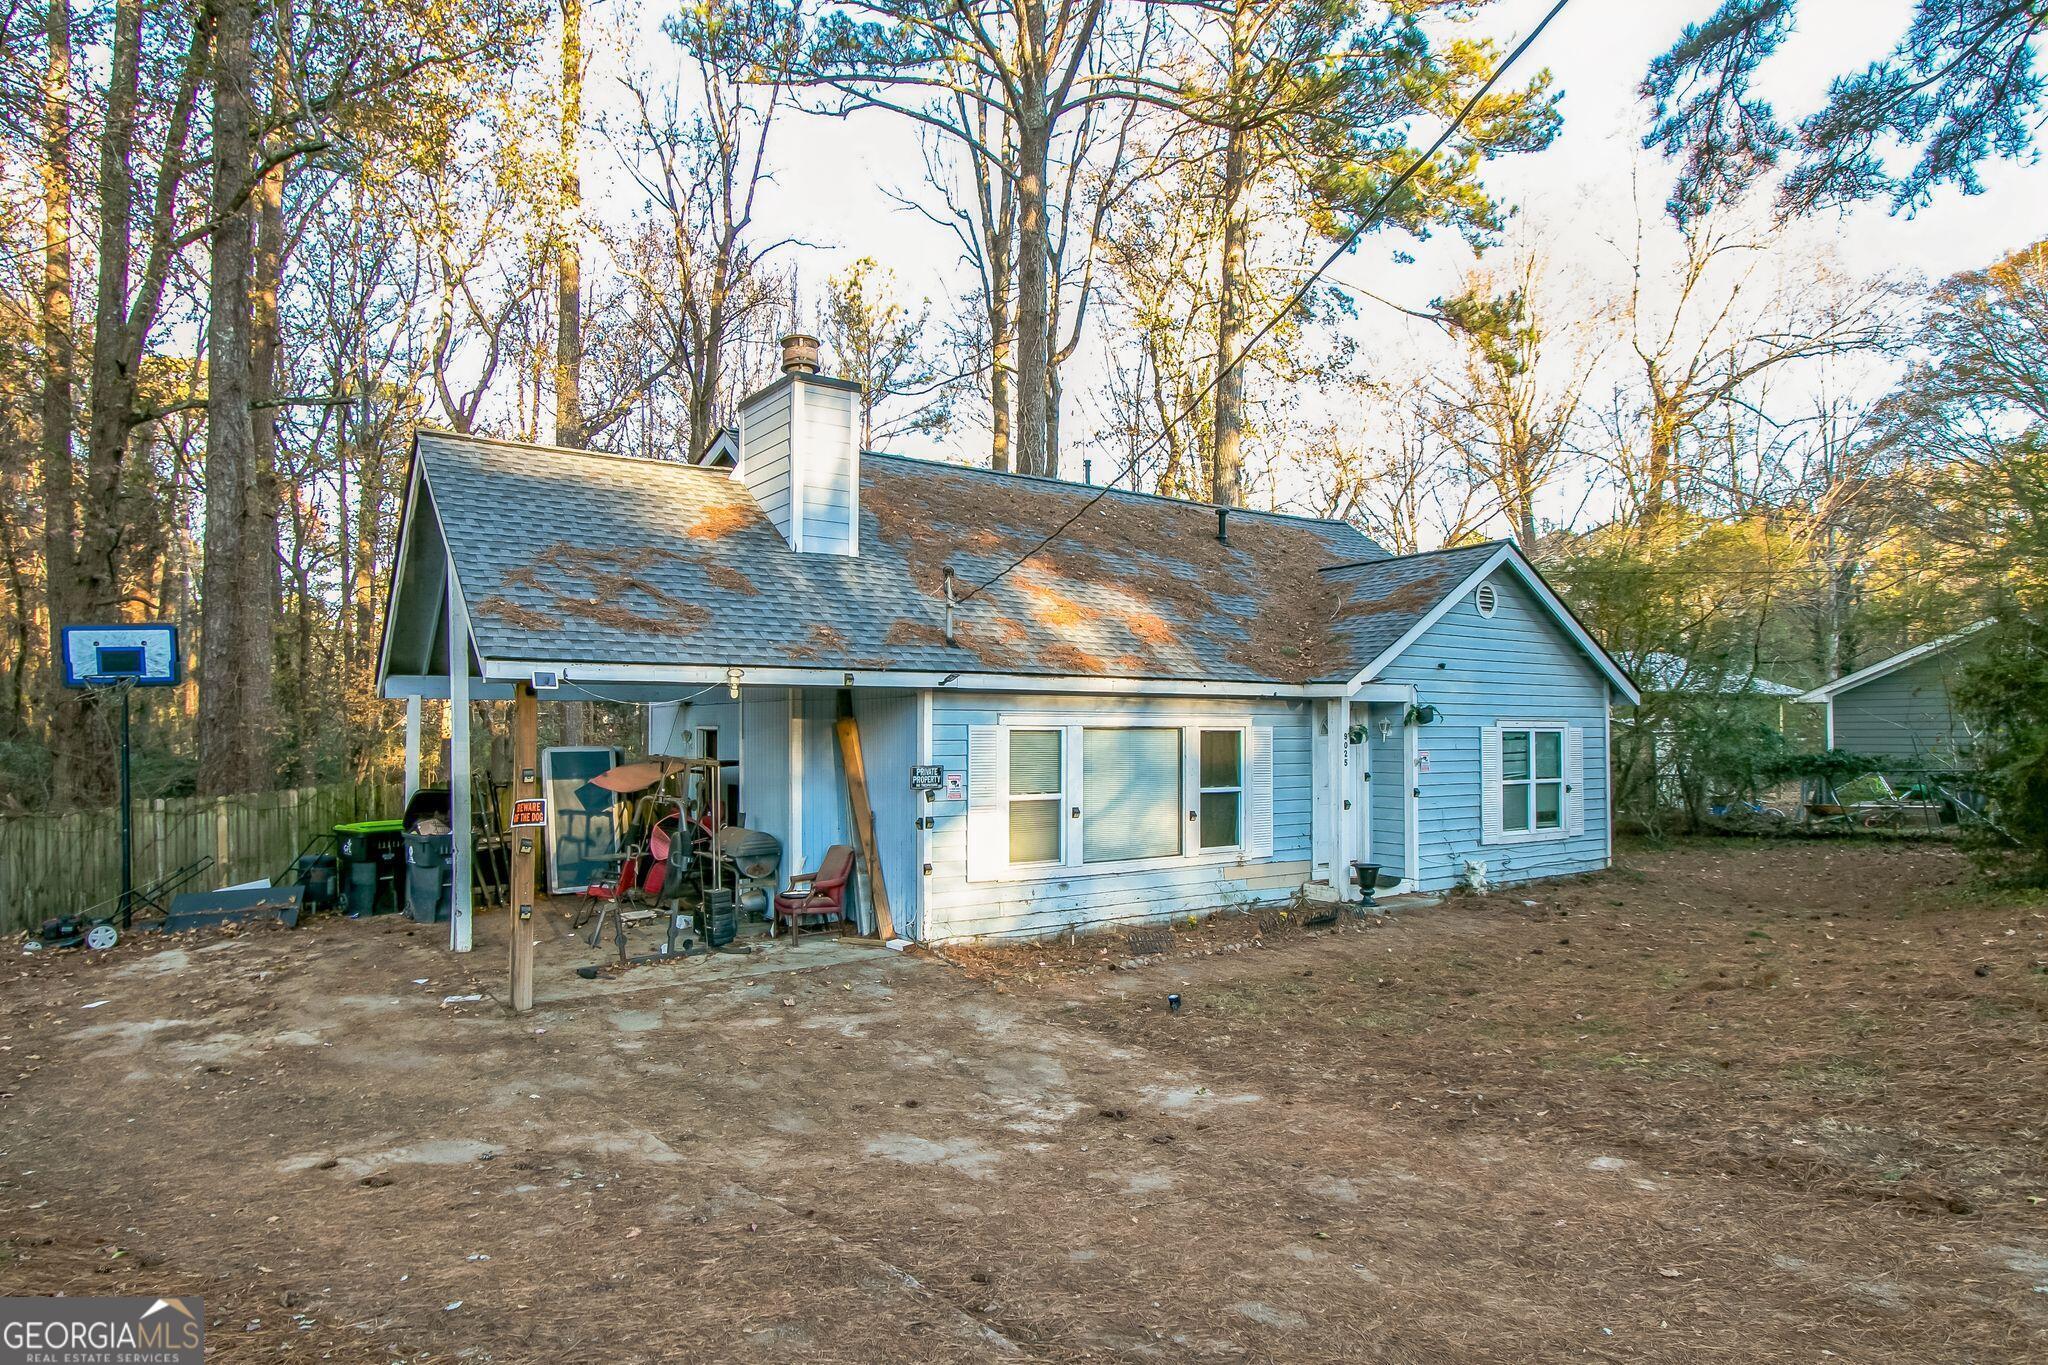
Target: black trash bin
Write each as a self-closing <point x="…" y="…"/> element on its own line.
<point x="429" y="856"/>
<point x="372" y="861"/>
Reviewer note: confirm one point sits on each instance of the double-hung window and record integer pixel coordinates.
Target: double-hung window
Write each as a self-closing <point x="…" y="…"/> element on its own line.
<point x="1220" y="810"/>
<point x="1038" y="787"/>
<point x="1531" y="780"/>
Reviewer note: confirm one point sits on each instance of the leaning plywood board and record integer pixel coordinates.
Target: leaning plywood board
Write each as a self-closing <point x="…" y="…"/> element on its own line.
<point x="864" y="819"/>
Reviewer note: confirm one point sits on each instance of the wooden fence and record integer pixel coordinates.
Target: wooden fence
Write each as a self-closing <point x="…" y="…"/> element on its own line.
<point x="66" y="864"/>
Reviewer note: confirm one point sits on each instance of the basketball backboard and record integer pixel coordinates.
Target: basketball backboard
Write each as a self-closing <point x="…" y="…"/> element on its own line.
<point x="100" y="656"/>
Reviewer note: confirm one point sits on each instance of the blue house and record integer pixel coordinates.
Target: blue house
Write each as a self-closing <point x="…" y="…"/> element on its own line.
<point x="1135" y="706"/>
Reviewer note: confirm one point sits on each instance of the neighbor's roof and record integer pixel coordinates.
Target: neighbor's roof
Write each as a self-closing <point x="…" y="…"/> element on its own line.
<point x="1662" y="672"/>
<point x="572" y="557"/>
<point x="1904" y="658"/>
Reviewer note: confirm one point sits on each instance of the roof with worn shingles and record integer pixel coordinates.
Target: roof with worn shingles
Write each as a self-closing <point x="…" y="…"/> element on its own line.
<point x="572" y="556"/>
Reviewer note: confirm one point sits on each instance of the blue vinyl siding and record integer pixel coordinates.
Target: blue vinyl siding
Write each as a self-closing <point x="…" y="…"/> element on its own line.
<point x="888" y="748"/>
<point x="957" y="908"/>
<point x="1518" y="665"/>
<point x="1906" y="714"/>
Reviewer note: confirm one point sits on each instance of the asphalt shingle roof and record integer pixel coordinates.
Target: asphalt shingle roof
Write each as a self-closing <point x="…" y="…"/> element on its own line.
<point x="570" y="556"/>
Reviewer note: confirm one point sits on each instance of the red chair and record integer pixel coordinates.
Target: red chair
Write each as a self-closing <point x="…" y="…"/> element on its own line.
<point x="819" y="895"/>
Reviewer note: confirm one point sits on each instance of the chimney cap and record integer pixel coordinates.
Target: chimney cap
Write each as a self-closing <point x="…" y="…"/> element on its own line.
<point x="799" y="353"/>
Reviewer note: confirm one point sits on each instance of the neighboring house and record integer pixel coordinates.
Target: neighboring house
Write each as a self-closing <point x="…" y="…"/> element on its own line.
<point x="1900" y="707"/>
<point x="1160" y="707"/>
<point x="1658" y="671"/>
<point x="1647" y="759"/>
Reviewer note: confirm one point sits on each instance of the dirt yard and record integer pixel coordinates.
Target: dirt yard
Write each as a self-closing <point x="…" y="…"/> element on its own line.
<point x="1778" y="1102"/>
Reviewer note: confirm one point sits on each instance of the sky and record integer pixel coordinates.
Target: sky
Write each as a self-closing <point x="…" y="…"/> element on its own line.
<point x="1575" y="198"/>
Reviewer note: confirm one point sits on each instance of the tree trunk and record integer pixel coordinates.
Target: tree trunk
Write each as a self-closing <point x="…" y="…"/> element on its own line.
<point x="235" y="673"/>
<point x="1226" y="455"/>
<point x="569" y="286"/>
<point x="569" y="280"/>
<point x="1034" y="152"/>
<point x="66" y="599"/>
<point x="1001" y="248"/>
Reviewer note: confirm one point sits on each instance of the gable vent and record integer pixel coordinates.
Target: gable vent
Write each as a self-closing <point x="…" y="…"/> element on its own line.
<point x="1487" y="599"/>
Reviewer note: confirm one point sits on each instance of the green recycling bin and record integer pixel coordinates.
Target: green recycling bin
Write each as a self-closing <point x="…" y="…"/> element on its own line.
<point x="372" y="865"/>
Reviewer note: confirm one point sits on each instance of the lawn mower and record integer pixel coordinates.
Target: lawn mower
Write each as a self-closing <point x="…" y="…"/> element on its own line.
<point x="76" y="931"/>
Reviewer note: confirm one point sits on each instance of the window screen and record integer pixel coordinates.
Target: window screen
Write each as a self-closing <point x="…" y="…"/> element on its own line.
<point x="1130" y="794"/>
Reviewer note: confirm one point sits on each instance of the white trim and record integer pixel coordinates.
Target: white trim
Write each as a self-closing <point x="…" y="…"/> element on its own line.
<point x="412" y="746"/>
<point x="413" y="480"/>
<point x="434" y="687"/>
<point x="924" y="816"/>
<point x="1535" y="834"/>
<point x="795" y="863"/>
<point x="686" y="675"/>
<point x="1827" y="692"/>
<point x="1607" y="780"/>
<point x="1507" y="554"/>
<point x="460" y="817"/>
<point x="796" y="467"/>
<point x="1411" y="802"/>
<point x="1072" y="862"/>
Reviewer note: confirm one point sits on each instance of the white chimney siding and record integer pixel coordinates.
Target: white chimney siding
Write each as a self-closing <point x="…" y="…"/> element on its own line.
<point x="800" y="458"/>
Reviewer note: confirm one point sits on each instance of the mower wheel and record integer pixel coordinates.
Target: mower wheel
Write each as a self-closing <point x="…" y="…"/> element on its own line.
<point x="101" y="937"/>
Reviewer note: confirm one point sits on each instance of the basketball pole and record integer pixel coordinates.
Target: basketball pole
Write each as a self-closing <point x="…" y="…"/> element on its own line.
<point x="127" y="823"/>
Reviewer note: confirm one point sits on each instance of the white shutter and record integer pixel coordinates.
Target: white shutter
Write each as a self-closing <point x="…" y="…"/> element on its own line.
<point x="1489" y="785"/>
<point x="1258" y="792"/>
<point x="988" y="834"/>
<point x="1575" y="781"/>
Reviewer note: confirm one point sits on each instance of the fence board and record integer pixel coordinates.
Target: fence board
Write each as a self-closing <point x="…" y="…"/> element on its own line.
<point x="71" y="863"/>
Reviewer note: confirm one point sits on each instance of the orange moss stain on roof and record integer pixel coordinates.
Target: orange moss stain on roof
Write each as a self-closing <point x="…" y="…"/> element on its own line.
<point x="827" y="638"/>
<point x="1149" y="627"/>
<point x="1049" y="605"/>
<point x="716" y="523"/>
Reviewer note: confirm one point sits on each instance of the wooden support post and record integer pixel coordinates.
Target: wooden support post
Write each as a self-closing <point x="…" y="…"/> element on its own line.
<point x="523" y="851"/>
<point x="412" y="746"/>
<point x="848" y="730"/>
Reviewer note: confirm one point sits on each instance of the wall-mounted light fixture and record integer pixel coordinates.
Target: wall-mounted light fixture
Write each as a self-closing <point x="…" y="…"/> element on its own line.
<point x="732" y="683"/>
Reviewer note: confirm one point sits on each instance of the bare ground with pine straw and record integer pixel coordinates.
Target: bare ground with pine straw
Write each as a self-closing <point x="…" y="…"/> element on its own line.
<point x="1727" y="1102"/>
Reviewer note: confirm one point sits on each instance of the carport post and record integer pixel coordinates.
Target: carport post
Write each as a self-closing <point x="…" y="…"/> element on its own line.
<point x="461" y="822"/>
<point x="412" y="746"/>
<point x="525" y="786"/>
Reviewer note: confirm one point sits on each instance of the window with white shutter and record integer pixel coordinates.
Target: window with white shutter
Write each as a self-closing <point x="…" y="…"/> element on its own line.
<point x="1530" y="779"/>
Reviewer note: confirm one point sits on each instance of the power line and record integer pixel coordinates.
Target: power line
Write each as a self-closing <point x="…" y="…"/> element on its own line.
<point x="1294" y="301"/>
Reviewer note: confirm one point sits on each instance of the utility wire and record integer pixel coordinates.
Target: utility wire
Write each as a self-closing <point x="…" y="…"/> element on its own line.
<point x="1294" y="301"/>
